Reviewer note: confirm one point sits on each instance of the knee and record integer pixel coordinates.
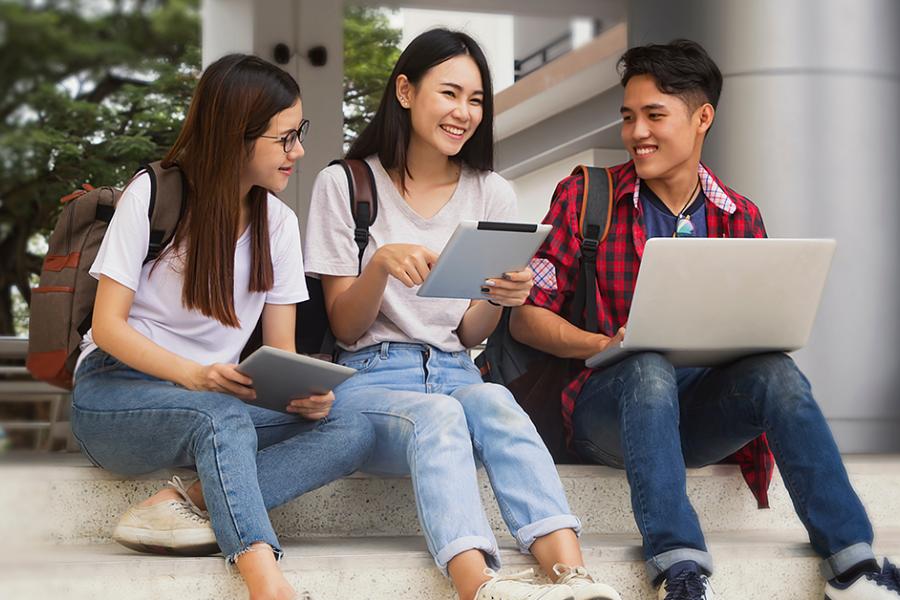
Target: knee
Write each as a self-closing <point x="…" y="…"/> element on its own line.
<point x="224" y="419"/>
<point x="778" y="382"/>
<point x="648" y="380"/>
<point x="357" y="438"/>
<point x="440" y="415"/>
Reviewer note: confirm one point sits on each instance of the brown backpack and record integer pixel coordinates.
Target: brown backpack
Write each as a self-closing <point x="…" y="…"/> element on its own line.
<point x="62" y="305"/>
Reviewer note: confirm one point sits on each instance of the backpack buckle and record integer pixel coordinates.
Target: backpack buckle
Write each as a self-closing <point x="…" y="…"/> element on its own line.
<point x="361" y="235"/>
<point x="589" y="247"/>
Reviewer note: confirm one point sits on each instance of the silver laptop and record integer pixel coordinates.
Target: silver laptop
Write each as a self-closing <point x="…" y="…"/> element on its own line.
<point x="707" y="301"/>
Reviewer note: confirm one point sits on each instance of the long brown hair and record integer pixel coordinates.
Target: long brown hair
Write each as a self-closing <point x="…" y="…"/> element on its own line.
<point x="232" y="105"/>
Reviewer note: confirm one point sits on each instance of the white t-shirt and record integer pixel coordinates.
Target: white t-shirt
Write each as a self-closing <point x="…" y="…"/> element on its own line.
<point x="330" y="249"/>
<point x="157" y="311"/>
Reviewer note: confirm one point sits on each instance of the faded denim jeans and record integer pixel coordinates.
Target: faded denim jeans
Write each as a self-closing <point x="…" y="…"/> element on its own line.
<point x="249" y="459"/>
<point x="433" y="418"/>
<point x="653" y="420"/>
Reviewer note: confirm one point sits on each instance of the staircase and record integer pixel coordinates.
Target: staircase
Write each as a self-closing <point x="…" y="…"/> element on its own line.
<point x="359" y="537"/>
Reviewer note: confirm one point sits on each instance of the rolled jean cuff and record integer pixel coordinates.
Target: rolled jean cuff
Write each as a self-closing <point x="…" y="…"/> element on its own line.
<point x="660" y="563"/>
<point x="526" y="535"/>
<point x="472" y="542"/>
<point x="231" y="559"/>
<point x="840" y="562"/>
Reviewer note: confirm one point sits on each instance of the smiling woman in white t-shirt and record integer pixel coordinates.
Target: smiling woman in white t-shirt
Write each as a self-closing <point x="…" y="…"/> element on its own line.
<point x="430" y="150"/>
<point x="157" y="385"/>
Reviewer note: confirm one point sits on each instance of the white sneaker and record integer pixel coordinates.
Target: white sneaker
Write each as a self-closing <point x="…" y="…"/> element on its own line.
<point x="169" y="527"/>
<point x="583" y="585"/>
<point x="520" y="586"/>
<point x="687" y="585"/>
<point x="868" y="586"/>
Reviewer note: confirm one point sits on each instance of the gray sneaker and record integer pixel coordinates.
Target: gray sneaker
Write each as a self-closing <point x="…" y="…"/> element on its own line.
<point x="520" y="586"/>
<point x="169" y="527"/>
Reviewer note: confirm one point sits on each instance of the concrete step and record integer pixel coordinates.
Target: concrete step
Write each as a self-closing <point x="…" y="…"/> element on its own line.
<point x="751" y="565"/>
<point x="63" y="499"/>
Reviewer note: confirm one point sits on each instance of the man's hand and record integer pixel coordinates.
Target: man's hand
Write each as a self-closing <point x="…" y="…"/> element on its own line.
<point x="313" y="407"/>
<point x="612" y="342"/>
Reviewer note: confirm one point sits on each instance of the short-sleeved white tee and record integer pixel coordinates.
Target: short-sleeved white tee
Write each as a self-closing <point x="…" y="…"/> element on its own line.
<point x="331" y="250"/>
<point x="157" y="311"/>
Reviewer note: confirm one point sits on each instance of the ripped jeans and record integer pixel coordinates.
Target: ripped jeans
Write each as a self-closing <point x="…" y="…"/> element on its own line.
<point x="249" y="459"/>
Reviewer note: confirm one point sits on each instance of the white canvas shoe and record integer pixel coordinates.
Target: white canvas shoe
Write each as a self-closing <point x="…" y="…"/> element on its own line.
<point x="884" y="585"/>
<point x="168" y="527"/>
<point x="583" y="585"/>
<point x="520" y="586"/>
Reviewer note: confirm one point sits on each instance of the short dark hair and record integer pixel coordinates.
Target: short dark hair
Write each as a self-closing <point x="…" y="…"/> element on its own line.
<point x="388" y="133"/>
<point x="681" y="68"/>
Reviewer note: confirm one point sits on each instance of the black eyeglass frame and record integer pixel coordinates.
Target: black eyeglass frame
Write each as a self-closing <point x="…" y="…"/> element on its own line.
<point x="292" y="137"/>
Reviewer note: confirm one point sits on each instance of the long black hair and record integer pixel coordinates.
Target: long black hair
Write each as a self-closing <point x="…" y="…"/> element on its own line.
<point x="388" y="133"/>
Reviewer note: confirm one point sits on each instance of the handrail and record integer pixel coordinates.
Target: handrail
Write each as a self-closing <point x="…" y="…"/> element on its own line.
<point x="542" y="52"/>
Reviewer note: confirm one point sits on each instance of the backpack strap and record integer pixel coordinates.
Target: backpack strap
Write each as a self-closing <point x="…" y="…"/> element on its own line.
<point x="593" y="225"/>
<point x="168" y="192"/>
<point x="363" y="199"/>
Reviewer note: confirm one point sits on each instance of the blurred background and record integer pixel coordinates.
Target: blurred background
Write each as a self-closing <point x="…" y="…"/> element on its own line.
<point x="807" y="127"/>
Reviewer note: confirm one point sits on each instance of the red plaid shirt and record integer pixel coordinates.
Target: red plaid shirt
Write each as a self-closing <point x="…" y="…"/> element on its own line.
<point x="728" y="214"/>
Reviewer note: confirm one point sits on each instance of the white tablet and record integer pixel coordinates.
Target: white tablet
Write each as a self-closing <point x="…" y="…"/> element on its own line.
<point x="481" y="250"/>
<point x="280" y="376"/>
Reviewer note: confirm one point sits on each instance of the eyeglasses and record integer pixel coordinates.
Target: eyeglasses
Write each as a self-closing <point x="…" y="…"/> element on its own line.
<point x="293" y="136"/>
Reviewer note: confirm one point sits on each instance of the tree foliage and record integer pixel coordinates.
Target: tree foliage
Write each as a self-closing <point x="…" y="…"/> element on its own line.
<point x="87" y="96"/>
<point x="91" y="90"/>
<point x="371" y="48"/>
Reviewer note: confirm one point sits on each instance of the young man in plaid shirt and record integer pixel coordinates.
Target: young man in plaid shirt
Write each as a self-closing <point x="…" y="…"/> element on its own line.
<point x="652" y="419"/>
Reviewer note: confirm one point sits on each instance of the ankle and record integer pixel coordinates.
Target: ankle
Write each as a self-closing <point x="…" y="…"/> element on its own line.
<point x="866" y="566"/>
<point x="162" y="495"/>
<point x="195" y="492"/>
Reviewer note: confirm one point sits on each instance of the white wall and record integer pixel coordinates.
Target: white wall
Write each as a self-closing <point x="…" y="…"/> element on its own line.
<point x="535" y="189"/>
<point x="494" y="33"/>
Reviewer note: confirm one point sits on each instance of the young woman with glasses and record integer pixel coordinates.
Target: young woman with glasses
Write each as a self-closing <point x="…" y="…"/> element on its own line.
<point x="430" y="150"/>
<point x="157" y="385"/>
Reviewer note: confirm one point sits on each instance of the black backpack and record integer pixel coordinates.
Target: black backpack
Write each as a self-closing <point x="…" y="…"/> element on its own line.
<point x="312" y="334"/>
<point x="536" y="378"/>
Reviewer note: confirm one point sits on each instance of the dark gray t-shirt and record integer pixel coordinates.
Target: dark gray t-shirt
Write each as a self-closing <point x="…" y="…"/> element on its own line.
<point x="329" y="248"/>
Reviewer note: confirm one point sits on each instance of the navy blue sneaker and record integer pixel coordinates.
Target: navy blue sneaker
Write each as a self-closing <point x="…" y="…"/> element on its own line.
<point x="883" y="585"/>
<point x="687" y="585"/>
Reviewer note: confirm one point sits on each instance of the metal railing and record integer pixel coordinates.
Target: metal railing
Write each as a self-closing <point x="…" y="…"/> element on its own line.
<point x="17" y="386"/>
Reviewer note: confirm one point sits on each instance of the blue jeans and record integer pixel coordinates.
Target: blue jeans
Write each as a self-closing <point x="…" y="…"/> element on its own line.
<point x="433" y="417"/>
<point x="654" y="420"/>
<point x="249" y="459"/>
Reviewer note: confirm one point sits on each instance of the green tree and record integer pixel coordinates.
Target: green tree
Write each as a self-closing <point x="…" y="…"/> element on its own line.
<point x="371" y="47"/>
<point x="87" y="96"/>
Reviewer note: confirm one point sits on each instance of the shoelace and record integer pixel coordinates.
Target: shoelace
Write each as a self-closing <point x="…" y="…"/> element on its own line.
<point x="188" y="507"/>
<point x="526" y="576"/>
<point x="889" y="577"/>
<point x="687" y="585"/>
<point x="569" y="574"/>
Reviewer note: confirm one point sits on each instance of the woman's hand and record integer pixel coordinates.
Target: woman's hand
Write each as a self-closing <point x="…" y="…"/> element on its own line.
<point x="409" y="263"/>
<point x="510" y="290"/>
<point x="313" y="407"/>
<point x="223" y="378"/>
